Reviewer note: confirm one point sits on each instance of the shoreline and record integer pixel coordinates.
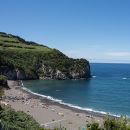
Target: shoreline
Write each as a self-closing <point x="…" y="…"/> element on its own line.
<point x="62" y="104"/>
<point x="54" y="112"/>
<point x="59" y="102"/>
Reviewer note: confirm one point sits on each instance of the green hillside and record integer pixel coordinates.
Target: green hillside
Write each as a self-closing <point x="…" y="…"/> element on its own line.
<point x="34" y="61"/>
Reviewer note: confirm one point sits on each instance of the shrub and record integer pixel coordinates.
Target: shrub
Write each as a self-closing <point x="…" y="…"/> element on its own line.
<point x="116" y="123"/>
<point x="12" y="120"/>
<point x="1" y="92"/>
<point x="112" y="123"/>
<point x="93" y="126"/>
<point x="3" y="81"/>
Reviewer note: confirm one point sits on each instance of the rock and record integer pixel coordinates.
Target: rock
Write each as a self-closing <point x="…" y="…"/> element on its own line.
<point x="47" y="72"/>
<point x="30" y="62"/>
<point x="11" y="74"/>
<point x="16" y="74"/>
<point x="20" y="74"/>
<point x="60" y="75"/>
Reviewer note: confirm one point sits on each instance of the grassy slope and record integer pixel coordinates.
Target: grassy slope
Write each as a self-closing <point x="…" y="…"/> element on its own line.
<point x="18" y="53"/>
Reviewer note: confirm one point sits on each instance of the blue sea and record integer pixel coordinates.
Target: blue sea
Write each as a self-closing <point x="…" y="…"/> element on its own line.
<point x="107" y="92"/>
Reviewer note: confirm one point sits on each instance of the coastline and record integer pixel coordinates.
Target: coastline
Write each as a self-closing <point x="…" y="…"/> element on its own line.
<point x="52" y="101"/>
<point x="59" y="102"/>
<point x="55" y="113"/>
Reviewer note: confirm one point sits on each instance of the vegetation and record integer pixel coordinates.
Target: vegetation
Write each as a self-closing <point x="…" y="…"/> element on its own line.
<point x="93" y="126"/>
<point x="15" y="52"/>
<point x="3" y="84"/>
<point x="1" y="92"/>
<point x="3" y="81"/>
<point x="111" y="123"/>
<point x="12" y="120"/>
<point x="1" y="95"/>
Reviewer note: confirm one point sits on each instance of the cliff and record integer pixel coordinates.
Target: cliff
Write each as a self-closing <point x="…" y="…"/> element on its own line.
<point x="22" y="60"/>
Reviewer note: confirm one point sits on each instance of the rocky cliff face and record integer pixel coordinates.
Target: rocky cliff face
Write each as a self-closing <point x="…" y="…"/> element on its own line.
<point x="23" y="60"/>
<point x="52" y="73"/>
<point x="45" y="72"/>
<point x="16" y="74"/>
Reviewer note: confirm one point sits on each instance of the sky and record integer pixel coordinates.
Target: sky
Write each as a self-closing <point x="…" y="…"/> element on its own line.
<point x="98" y="30"/>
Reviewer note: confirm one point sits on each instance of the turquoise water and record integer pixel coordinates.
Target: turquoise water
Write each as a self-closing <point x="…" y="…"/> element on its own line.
<point x="108" y="90"/>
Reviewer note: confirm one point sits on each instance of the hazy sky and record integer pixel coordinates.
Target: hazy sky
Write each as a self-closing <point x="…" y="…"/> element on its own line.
<point x="98" y="30"/>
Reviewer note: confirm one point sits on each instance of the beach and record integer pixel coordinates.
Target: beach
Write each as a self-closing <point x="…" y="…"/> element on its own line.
<point x="48" y="113"/>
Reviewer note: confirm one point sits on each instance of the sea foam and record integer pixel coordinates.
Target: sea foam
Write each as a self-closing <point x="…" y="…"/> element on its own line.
<point x="124" y="78"/>
<point x="68" y="104"/>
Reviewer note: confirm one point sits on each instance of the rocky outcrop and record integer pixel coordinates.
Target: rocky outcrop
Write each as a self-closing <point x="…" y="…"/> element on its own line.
<point x="48" y="72"/>
<point x="24" y="60"/>
<point x="45" y="72"/>
<point x="82" y="74"/>
<point x="16" y="74"/>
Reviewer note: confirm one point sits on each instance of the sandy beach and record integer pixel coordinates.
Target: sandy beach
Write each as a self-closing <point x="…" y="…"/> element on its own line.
<point x="48" y="113"/>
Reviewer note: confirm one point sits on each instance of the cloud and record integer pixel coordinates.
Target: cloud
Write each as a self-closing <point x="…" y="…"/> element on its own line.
<point x="118" y="54"/>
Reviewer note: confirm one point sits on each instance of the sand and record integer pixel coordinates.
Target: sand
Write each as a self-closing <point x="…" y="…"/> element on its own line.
<point x="47" y="113"/>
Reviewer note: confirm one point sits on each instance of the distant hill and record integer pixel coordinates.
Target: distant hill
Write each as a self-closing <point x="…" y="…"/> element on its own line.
<point x="21" y="59"/>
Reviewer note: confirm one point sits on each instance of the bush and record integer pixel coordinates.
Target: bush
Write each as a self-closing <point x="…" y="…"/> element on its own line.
<point x="93" y="126"/>
<point x="116" y="123"/>
<point x="12" y="120"/>
<point x="1" y="92"/>
<point x="112" y="123"/>
<point x="3" y="81"/>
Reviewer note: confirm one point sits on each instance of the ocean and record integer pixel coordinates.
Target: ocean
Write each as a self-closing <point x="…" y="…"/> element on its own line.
<point x="108" y="91"/>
